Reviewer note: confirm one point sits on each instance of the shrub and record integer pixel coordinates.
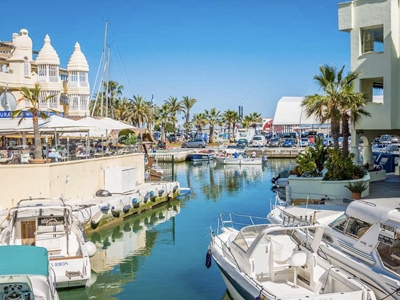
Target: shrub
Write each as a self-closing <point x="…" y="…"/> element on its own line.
<point x="358" y="186"/>
<point x="342" y="168"/>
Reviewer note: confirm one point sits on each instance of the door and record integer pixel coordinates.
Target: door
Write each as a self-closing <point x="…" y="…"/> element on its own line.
<point x="28" y="229"/>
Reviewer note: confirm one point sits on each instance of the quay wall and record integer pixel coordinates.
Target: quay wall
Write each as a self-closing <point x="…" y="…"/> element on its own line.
<point x="76" y="180"/>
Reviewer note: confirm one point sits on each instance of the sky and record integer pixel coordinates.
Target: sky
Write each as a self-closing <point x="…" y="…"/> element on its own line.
<point x="224" y="53"/>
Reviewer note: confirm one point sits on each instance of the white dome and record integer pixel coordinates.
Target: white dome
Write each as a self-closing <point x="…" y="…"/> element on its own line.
<point x="77" y="61"/>
<point x="47" y="55"/>
<point x="22" y="41"/>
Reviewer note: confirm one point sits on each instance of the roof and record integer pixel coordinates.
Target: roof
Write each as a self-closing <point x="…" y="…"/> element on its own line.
<point x="290" y="112"/>
<point x="24" y="260"/>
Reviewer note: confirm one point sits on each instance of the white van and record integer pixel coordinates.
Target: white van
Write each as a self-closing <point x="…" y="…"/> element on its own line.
<point x="258" y="140"/>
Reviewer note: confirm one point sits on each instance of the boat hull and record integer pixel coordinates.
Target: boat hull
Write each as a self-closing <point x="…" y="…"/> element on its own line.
<point x="238" y="161"/>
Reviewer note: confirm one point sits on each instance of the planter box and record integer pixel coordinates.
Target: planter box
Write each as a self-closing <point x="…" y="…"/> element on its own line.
<point x="316" y="188"/>
<point x="377" y="175"/>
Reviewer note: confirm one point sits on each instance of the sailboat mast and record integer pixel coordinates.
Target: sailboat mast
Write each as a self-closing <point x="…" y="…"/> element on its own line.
<point x="103" y="67"/>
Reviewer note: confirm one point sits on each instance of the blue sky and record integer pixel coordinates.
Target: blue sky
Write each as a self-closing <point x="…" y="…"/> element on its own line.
<point x="221" y="52"/>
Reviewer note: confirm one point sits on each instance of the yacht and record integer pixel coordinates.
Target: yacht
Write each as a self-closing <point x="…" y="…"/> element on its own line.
<point x="49" y="223"/>
<point x="363" y="238"/>
<point x="264" y="261"/>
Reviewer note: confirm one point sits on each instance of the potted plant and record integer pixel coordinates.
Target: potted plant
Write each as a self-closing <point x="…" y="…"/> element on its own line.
<point x="33" y="97"/>
<point x="356" y="188"/>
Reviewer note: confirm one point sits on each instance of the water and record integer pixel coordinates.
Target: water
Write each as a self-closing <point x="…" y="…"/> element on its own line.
<point x="160" y="254"/>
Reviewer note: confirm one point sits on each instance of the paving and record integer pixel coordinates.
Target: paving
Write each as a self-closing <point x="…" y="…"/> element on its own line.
<point x="389" y="188"/>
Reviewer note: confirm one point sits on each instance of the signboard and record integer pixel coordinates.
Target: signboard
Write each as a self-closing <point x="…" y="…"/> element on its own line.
<point x="7" y="114"/>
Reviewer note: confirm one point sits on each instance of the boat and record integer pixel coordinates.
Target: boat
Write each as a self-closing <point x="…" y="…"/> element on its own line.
<point x="266" y="261"/>
<point x="281" y="180"/>
<point x="362" y="237"/>
<point x="49" y="223"/>
<point x="25" y="274"/>
<point x="239" y="160"/>
<point x="201" y="155"/>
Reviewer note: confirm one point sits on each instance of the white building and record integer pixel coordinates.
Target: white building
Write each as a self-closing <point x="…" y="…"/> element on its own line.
<point x="18" y="68"/>
<point x="374" y="27"/>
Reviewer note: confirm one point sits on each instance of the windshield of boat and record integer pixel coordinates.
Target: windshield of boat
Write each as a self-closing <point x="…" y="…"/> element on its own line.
<point x="247" y="235"/>
<point x="350" y="226"/>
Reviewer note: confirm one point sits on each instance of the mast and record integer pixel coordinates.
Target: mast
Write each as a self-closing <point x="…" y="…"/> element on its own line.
<point x="103" y="67"/>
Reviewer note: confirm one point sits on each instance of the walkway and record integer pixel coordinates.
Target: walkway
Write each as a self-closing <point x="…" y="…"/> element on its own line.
<point x="389" y="188"/>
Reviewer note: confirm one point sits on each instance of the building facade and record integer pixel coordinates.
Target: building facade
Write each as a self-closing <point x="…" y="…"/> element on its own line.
<point x="21" y="66"/>
<point x="374" y="27"/>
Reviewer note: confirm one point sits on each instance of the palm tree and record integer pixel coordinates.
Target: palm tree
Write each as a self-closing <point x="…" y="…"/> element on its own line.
<point x="34" y="98"/>
<point x="326" y="106"/>
<point x="231" y="118"/>
<point x="141" y="111"/>
<point x="113" y="89"/>
<point x="253" y="119"/>
<point x="199" y="121"/>
<point x="187" y="104"/>
<point x="163" y="116"/>
<point x="352" y="104"/>
<point x="213" y="118"/>
<point x="176" y="107"/>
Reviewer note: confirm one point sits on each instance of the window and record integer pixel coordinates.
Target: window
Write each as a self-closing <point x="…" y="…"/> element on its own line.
<point x="372" y="40"/>
<point x="373" y="88"/>
<point x="26" y="67"/>
<point x="353" y="227"/>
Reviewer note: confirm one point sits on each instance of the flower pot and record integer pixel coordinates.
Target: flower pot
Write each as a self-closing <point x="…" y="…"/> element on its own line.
<point x="356" y="196"/>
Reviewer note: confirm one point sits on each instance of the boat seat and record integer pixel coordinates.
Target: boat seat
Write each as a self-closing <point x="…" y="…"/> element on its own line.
<point x="281" y="249"/>
<point x="298" y="259"/>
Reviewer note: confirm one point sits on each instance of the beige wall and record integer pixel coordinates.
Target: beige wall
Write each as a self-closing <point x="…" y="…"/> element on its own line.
<point x="85" y="177"/>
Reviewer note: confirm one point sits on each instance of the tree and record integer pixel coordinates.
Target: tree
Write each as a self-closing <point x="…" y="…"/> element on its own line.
<point x="199" y="120"/>
<point x="253" y="119"/>
<point x="163" y="115"/>
<point x="187" y="104"/>
<point x="352" y="104"/>
<point x="231" y="118"/>
<point x="141" y="111"/>
<point x="35" y="99"/>
<point x="112" y="89"/>
<point x="213" y="118"/>
<point x="176" y="107"/>
<point x="326" y="106"/>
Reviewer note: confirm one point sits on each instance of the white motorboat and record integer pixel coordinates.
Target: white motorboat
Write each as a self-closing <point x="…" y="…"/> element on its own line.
<point x="25" y="274"/>
<point x="269" y="262"/>
<point x="239" y="160"/>
<point x="364" y="239"/>
<point x="48" y="223"/>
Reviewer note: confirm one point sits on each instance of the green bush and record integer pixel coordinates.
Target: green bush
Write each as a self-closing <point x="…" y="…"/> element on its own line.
<point x="342" y="168"/>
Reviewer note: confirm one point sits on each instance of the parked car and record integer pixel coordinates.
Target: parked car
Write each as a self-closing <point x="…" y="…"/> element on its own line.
<point x="304" y="142"/>
<point x="289" y="142"/>
<point x="258" y="140"/>
<point x="242" y="142"/>
<point x="274" y="142"/>
<point x="194" y="143"/>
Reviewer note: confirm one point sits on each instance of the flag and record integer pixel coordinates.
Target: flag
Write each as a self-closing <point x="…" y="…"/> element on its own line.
<point x="152" y="98"/>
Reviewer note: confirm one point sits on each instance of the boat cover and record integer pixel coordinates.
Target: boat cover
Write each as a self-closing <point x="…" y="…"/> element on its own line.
<point x="24" y="260"/>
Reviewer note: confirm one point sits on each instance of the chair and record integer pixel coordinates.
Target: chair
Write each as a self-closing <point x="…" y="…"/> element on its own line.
<point x="298" y="259"/>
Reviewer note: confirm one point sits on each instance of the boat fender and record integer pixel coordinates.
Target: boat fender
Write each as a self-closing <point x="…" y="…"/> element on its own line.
<point x="151" y="193"/>
<point x="134" y="201"/>
<point x="208" y="259"/>
<point x="126" y="208"/>
<point x="91" y="248"/>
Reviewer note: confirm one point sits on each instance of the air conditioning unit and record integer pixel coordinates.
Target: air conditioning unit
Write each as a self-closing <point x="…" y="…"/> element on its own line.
<point x="119" y="180"/>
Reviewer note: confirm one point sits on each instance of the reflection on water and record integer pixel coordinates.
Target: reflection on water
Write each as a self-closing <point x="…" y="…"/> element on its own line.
<point x="160" y="254"/>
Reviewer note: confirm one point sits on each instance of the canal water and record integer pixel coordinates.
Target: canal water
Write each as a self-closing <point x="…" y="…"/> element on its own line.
<point x="160" y="254"/>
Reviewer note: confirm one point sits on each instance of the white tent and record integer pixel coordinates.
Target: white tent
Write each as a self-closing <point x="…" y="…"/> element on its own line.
<point x="114" y="124"/>
<point x="63" y="124"/>
<point x="290" y="112"/>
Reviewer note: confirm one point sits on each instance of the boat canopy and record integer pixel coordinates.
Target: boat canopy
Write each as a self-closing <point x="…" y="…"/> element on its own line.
<point x="24" y="260"/>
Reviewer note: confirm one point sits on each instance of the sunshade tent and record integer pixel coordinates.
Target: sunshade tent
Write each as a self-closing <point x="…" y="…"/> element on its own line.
<point x="64" y="124"/>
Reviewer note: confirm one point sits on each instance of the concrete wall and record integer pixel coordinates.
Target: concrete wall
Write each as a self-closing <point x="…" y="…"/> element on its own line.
<point x="85" y="177"/>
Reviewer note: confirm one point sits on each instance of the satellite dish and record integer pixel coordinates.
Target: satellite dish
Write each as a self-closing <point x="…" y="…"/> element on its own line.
<point x="8" y="101"/>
